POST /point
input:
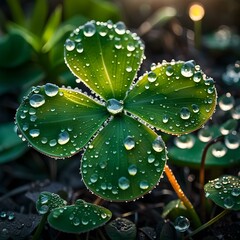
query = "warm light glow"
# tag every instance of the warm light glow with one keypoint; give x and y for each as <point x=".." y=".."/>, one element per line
<point x="196" y="12"/>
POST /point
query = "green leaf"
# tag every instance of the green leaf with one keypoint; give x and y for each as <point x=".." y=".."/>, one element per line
<point x="16" y="11"/>
<point x="38" y="17"/>
<point x="124" y="161"/>
<point x="11" y="145"/>
<point x="59" y="121"/>
<point x="52" y="24"/>
<point x="174" y="97"/>
<point x="105" y="57"/>
<point x="47" y="201"/>
<point x="189" y="148"/>
<point x="14" y="50"/>
<point x="224" y="191"/>
<point x="78" y="218"/>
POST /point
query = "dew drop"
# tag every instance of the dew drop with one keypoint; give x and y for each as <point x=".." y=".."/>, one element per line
<point x="144" y="185"/>
<point x="103" y="30"/>
<point x="103" y="215"/>
<point x="184" y="141"/>
<point x="195" y="108"/>
<point x="43" y="209"/>
<point x="128" y="69"/>
<point x="129" y="143"/>
<point x="114" y="106"/>
<point x="130" y="47"/>
<point x="226" y="102"/>
<point x="120" y="28"/>
<point x="228" y="126"/>
<point x="94" y="178"/>
<point x="181" y="224"/>
<point x="235" y="192"/>
<point x="132" y="170"/>
<point x="232" y="140"/>
<point x="34" y="133"/>
<point x="37" y="100"/>
<point x="76" y="221"/>
<point x="85" y="221"/>
<point x="169" y="71"/>
<point x="165" y="118"/>
<point x="205" y="134"/>
<point x="151" y="158"/>
<point x="217" y="185"/>
<point x="188" y="68"/>
<point x="44" y="140"/>
<point x="228" y="202"/>
<point x="89" y="29"/>
<point x="219" y="150"/>
<point x="123" y="183"/>
<point x="51" y="90"/>
<point x="63" y="138"/>
<point x="152" y="76"/>
<point x="69" y="45"/>
<point x="236" y="112"/>
<point x="185" y="113"/>
<point x="11" y="216"/>
<point x="158" y="144"/>
<point x="79" y="48"/>
<point x="197" y="77"/>
<point x="52" y="143"/>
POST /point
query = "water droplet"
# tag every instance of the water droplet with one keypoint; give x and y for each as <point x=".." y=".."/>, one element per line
<point x="120" y="28"/>
<point x="43" y="198"/>
<point x="165" y="118"/>
<point x="151" y="158"/>
<point x="103" y="164"/>
<point x="132" y="170"/>
<point x="232" y="140"/>
<point x="79" y="48"/>
<point x="188" y="68"/>
<point x="69" y="45"/>
<point x="51" y="90"/>
<point x="144" y="185"/>
<point x="4" y="233"/>
<point x="44" y="140"/>
<point x="3" y="214"/>
<point x="181" y="224"/>
<point x="236" y="112"/>
<point x="118" y="43"/>
<point x="185" y="113"/>
<point x="52" y="143"/>
<point x="114" y="106"/>
<point x="205" y="134"/>
<point x="129" y="143"/>
<point x="89" y="29"/>
<point x="103" y="215"/>
<point x="76" y="221"/>
<point x="43" y="209"/>
<point x="195" y="108"/>
<point x="152" y="76"/>
<point x="228" y="202"/>
<point x="11" y="216"/>
<point x="123" y="183"/>
<point x="184" y="141"/>
<point x="94" y="178"/>
<point x="235" y="192"/>
<point x="217" y="185"/>
<point x="169" y="71"/>
<point x="130" y="47"/>
<point x="85" y="221"/>
<point x="63" y="138"/>
<point x="197" y="77"/>
<point x="158" y="144"/>
<point x="219" y="150"/>
<point x="229" y="126"/>
<point x="128" y="69"/>
<point x="226" y="102"/>
<point x="103" y="30"/>
<point x="34" y="133"/>
<point x="36" y="100"/>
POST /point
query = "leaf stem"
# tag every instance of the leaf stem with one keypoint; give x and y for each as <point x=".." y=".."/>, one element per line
<point x="40" y="227"/>
<point x="182" y="196"/>
<point x="209" y="223"/>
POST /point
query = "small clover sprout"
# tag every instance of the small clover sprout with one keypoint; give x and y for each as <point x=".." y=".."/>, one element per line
<point x="114" y="121"/>
<point x="224" y="191"/>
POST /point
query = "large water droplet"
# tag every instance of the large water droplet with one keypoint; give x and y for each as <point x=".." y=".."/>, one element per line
<point x="188" y="68"/>
<point x="232" y="140"/>
<point x="165" y="118"/>
<point x="226" y="102"/>
<point x="197" y="77"/>
<point x="89" y="29"/>
<point x="79" y="48"/>
<point x="195" y="108"/>
<point x="129" y="143"/>
<point x="43" y="209"/>
<point x="123" y="183"/>
<point x="34" y="133"/>
<point x="69" y="45"/>
<point x="76" y="221"/>
<point x="185" y="113"/>
<point x="228" y="202"/>
<point x="144" y="185"/>
<point x="184" y="141"/>
<point x="169" y="71"/>
<point x="219" y="150"/>
<point x="228" y="126"/>
<point x="132" y="170"/>
<point x="235" y="192"/>
<point x="151" y="158"/>
<point x="205" y="134"/>
<point x="120" y="28"/>
<point x="51" y="90"/>
<point x="63" y="138"/>
<point x="37" y="100"/>
<point x="236" y="112"/>
<point x="181" y="224"/>
<point x="130" y="47"/>
<point x="114" y="106"/>
<point x="152" y="76"/>
<point x="158" y="144"/>
<point x="94" y="178"/>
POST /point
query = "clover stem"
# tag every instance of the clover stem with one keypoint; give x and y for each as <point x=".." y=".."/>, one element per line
<point x="40" y="227"/>
<point x="197" y="33"/>
<point x="182" y="196"/>
<point x="209" y="223"/>
<point x="202" y="170"/>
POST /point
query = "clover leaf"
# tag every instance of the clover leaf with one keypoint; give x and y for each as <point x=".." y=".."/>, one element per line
<point x="114" y="121"/>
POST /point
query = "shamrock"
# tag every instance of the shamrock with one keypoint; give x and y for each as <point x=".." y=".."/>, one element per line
<point x="116" y="119"/>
